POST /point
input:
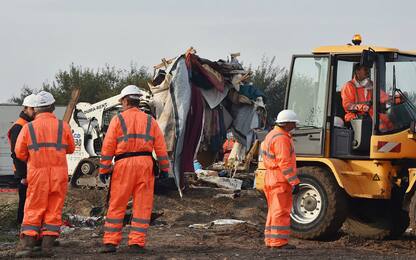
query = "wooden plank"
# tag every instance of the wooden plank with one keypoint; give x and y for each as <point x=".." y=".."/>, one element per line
<point x="76" y="92"/>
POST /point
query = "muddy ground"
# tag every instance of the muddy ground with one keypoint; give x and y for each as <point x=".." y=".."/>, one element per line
<point x="171" y="238"/>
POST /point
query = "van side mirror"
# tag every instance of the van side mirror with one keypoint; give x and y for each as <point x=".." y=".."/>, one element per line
<point x="368" y="57"/>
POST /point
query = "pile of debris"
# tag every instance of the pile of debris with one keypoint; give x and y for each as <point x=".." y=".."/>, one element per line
<point x="197" y="101"/>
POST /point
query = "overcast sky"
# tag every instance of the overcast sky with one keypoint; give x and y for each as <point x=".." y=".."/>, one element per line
<point x="40" y="37"/>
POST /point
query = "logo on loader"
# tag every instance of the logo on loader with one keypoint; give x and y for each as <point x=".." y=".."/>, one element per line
<point x="389" y="147"/>
<point x="376" y="177"/>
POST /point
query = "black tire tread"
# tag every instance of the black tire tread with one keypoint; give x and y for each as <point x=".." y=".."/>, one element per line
<point x="356" y="228"/>
<point x="388" y="226"/>
<point x="337" y="210"/>
<point x="412" y="211"/>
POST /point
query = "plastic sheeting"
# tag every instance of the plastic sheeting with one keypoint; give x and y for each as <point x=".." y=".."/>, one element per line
<point x="164" y="110"/>
<point x="242" y="124"/>
<point x="214" y="97"/>
<point x="180" y="92"/>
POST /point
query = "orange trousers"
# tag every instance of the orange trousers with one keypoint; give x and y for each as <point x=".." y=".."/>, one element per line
<point x="46" y="193"/>
<point x="132" y="177"/>
<point x="279" y="202"/>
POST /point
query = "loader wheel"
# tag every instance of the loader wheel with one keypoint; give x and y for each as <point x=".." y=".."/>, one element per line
<point x="320" y="207"/>
<point x="85" y="168"/>
<point x="412" y="211"/>
<point x="376" y="219"/>
<point x="77" y="174"/>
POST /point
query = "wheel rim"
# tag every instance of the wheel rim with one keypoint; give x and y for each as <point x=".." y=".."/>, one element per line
<point x="85" y="168"/>
<point x="307" y="204"/>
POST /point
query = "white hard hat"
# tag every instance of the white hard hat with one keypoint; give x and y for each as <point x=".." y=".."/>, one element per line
<point x="30" y="101"/>
<point x="287" y="116"/>
<point x="44" y="99"/>
<point x="131" y="90"/>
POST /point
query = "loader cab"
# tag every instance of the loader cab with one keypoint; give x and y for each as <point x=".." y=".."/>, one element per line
<point x="314" y="93"/>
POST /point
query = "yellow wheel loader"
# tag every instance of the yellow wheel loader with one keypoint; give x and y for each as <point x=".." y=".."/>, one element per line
<point x="358" y="173"/>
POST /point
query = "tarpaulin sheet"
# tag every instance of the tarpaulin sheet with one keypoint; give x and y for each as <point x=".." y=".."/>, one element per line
<point x="180" y="90"/>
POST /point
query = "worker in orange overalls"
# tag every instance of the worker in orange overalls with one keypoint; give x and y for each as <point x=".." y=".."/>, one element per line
<point x="19" y="167"/>
<point x="131" y="138"/>
<point x="43" y="144"/>
<point x="228" y="146"/>
<point x="357" y="96"/>
<point x="281" y="180"/>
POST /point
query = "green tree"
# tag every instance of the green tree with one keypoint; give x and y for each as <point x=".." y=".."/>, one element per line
<point x="272" y="80"/>
<point x="24" y="92"/>
<point x="95" y="85"/>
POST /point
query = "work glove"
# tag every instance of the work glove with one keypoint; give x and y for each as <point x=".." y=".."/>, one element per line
<point x="163" y="175"/>
<point x="362" y="107"/>
<point x="295" y="189"/>
<point x="24" y="181"/>
<point x="104" y="177"/>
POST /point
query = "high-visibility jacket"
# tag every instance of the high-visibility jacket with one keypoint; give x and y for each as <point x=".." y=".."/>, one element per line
<point x="134" y="134"/>
<point x="355" y="97"/>
<point x="44" y="143"/>
<point x="227" y="147"/>
<point x="279" y="157"/>
<point x="133" y="131"/>
<point x="19" y="167"/>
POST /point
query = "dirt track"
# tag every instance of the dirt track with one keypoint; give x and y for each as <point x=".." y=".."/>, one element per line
<point x="171" y="238"/>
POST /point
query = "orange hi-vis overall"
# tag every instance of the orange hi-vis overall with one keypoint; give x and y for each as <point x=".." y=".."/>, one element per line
<point x="356" y="97"/>
<point x="280" y="161"/>
<point x="130" y="132"/>
<point x="227" y="147"/>
<point x="44" y="143"/>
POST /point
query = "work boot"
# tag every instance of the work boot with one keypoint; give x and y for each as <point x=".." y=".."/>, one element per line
<point x="284" y="247"/>
<point x="136" y="249"/>
<point x="25" y="247"/>
<point x="56" y="243"/>
<point x="37" y="247"/>
<point x="47" y="246"/>
<point x="107" y="248"/>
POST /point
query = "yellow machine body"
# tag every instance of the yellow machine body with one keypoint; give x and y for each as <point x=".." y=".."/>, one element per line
<point x="364" y="178"/>
<point x="370" y="179"/>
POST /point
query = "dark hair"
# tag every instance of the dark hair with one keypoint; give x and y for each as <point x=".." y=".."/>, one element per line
<point x="133" y="101"/>
<point x="358" y="66"/>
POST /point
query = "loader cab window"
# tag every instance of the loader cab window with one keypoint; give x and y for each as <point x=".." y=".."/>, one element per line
<point x="79" y="117"/>
<point x="349" y="137"/>
<point x="400" y="83"/>
<point x="108" y="115"/>
<point x="307" y="96"/>
<point x="344" y="73"/>
<point x="308" y="90"/>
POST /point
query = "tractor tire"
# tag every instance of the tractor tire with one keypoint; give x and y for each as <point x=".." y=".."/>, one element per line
<point x="74" y="179"/>
<point x="85" y="168"/>
<point x="376" y="229"/>
<point x="320" y="208"/>
<point x="376" y="220"/>
<point x="412" y="211"/>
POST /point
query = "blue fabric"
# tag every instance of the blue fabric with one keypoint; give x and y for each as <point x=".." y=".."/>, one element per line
<point x="251" y="91"/>
<point x="197" y="165"/>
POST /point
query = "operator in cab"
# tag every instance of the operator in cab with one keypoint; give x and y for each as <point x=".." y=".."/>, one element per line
<point x="357" y="97"/>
